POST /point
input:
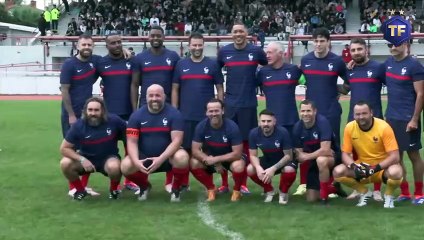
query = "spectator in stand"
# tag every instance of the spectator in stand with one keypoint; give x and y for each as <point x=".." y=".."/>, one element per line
<point x="346" y="54"/>
<point x="373" y="28"/>
<point x="162" y="24"/>
<point x="42" y="25"/>
<point x="264" y="25"/>
<point x="365" y="27"/>
<point x="187" y="29"/>
<point x="376" y="21"/>
<point x="55" y="18"/>
<point x="66" y="4"/>
<point x="338" y="29"/>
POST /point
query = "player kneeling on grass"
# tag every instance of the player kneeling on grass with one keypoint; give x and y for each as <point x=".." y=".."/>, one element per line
<point x="314" y="141"/>
<point x="155" y="135"/>
<point x="276" y="146"/>
<point x="378" y="156"/>
<point x="217" y="144"/>
<point x="97" y="134"/>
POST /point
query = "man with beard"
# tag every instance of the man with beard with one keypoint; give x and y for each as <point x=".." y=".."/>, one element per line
<point x="193" y="86"/>
<point x="115" y="71"/>
<point x="77" y="76"/>
<point x="217" y="144"/>
<point x="314" y="142"/>
<point x="154" y="138"/>
<point x="405" y="94"/>
<point x="322" y="69"/>
<point x="241" y="60"/>
<point x="275" y="143"/>
<point x="153" y="66"/>
<point x="96" y="134"/>
<point x="365" y="81"/>
<point x="375" y="144"/>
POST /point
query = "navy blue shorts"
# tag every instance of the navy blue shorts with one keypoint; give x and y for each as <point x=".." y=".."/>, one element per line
<point x="246" y="118"/>
<point x="189" y="127"/>
<point x="312" y="180"/>
<point x="267" y="164"/>
<point x="226" y="165"/>
<point x="407" y="141"/>
<point x="99" y="163"/>
<point x="165" y="167"/>
<point x="125" y="117"/>
<point x="64" y="120"/>
<point x="335" y="124"/>
<point x="289" y="128"/>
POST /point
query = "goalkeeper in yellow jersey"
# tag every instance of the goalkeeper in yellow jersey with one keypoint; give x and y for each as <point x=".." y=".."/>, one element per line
<point x="374" y="143"/>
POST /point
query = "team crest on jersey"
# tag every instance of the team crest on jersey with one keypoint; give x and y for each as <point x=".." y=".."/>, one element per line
<point x="315" y="134"/>
<point x="277" y="144"/>
<point x="128" y="65"/>
<point x="375" y="139"/>
<point x="250" y="56"/>
<point x="165" y="122"/>
<point x="330" y="67"/>
<point x="403" y="71"/>
<point x="224" y="138"/>
<point x="206" y="70"/>
<point x="288" y="74"/>
<point x="108" y="131"/>
<point x="91" y="65"/>
<point x="168" y="61"/>
<point x="369" y="74"/>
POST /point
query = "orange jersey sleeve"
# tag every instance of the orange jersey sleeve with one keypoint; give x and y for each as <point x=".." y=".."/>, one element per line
<point x="347" y="138"/>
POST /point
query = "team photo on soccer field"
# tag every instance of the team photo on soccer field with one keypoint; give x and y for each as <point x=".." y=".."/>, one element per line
<point x="186" y="148"/>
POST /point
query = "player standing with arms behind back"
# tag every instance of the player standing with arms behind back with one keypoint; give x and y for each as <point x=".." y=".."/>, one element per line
<point x="322" y="69"/>
<point x="241" y="60"/>
<point x="365" y="82"/>
<point x="405" y="92"/>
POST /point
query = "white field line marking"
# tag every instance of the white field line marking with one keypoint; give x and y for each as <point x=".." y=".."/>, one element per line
<point x="205" y="214"/>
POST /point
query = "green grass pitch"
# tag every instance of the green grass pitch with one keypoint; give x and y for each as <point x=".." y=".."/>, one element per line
<point x="34" y="203"/>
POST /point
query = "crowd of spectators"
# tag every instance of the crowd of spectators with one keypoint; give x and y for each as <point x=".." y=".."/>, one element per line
<point x="262" y="17"/>
<point x="375" y="12"/>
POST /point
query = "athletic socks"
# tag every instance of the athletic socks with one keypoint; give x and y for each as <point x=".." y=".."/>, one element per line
<point x="266" y="186"/>
<point x="179" y="174"/>
<point x="304" y="167"/>
<point x="286" y="180"/>
<point x="391" y="186"/>
<point x="204" y="178"/>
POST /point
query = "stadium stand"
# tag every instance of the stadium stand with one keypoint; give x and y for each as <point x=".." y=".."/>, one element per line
<point x="212" y="17"/>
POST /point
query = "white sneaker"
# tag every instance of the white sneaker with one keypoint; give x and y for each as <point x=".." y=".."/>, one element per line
<point x="269" y="196"/>
<point x="353" y="195"/>
<point x="333" y="195"/>
<point x="301" y="190"/>
<point x="363" y="198"/>
<point x="389" y="201"/>
<point x="377" y="196"/>
<point x="168" y="188"/>
<point x="283" y="199"/>
<point x="175" y="197"/>
<point x="91" y="192"/>
<point x="142" y="195"/>
<point x="72" y="192"/>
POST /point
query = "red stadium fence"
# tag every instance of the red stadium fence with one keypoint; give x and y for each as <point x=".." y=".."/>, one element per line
<point x="181" y="39"/>
<point x="341" y="37"/>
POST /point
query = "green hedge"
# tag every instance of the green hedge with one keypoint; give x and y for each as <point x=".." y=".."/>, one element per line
<point x="22" y="15"/>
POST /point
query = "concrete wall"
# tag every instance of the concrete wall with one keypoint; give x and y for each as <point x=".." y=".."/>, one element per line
<point x="44" y="79"/>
